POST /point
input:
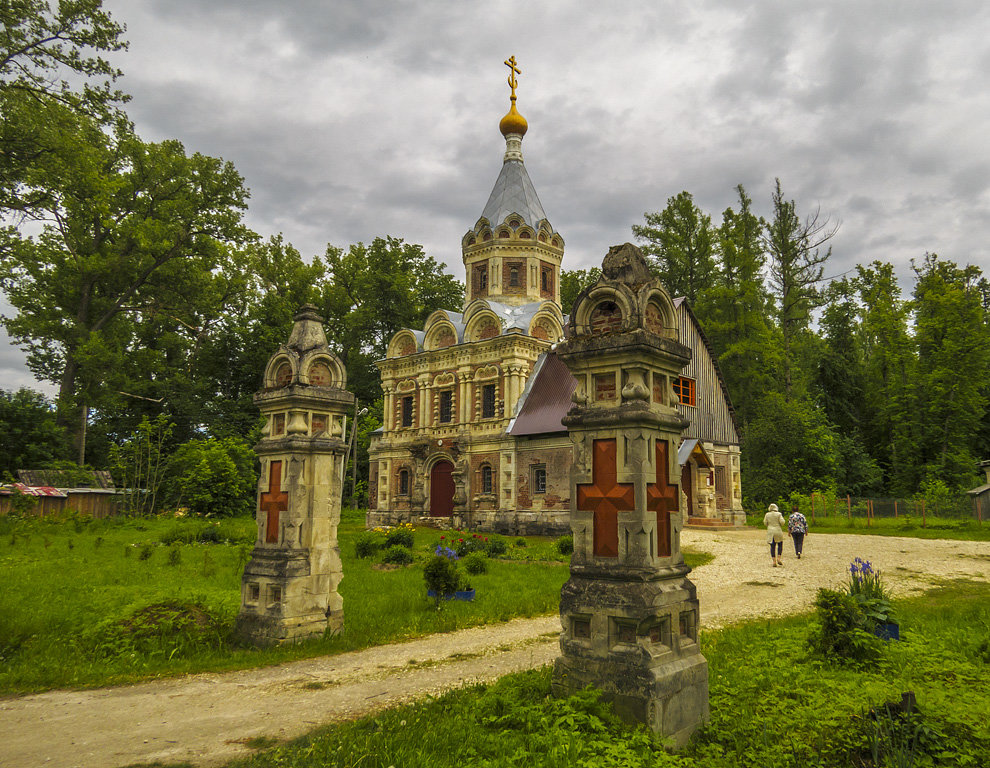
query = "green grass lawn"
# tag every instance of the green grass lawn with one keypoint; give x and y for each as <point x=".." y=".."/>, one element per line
<point x="71" y="589"/>
<point x="773" y="705"/>
<point x="905" y="525"/>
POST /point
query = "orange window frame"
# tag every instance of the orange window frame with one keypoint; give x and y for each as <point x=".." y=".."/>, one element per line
<point x="685" y="390"/>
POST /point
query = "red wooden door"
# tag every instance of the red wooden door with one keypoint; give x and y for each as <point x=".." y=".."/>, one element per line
<point x="688" y="488"/>
<point x="441" y="489"/>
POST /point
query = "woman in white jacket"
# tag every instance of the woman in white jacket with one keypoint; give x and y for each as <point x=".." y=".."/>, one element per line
<point x="774" y="521"/>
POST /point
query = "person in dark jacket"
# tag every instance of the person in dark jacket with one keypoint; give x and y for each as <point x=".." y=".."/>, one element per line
<point x="797" y="527"/>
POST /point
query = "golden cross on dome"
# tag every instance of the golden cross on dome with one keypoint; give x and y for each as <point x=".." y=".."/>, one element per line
<point x="513" y="71"/>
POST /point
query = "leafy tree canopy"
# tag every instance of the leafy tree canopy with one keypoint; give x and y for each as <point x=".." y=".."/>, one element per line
<point x="31" y="438"/>
<point x="681" y="240"/>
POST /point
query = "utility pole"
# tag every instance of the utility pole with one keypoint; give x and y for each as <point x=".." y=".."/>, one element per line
<point x="352" y="451"/>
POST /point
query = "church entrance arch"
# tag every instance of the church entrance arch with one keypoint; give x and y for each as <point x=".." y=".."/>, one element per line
<point x="441" y="489"/>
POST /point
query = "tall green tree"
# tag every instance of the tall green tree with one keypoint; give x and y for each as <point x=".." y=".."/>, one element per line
<point x="229" y="367"/>
<point x="789" y="446"/>
<point x="840" y="390"/>
<point x="41" y="43"/>
<point x="134" y="238"/>
<point x="572" y="282"/>
<point x="735" y="311"/>
<point x="841" y="375"/>
<point x="891" y="424"/>
<point x="798" y="255"/>
<point x="372" y="292"/>
<point x="953" y="367"/>
<point x="681" y="241"/>
<point x="31" y="438"/>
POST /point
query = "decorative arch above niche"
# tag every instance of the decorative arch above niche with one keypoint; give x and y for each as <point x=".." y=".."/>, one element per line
<point x="659" y="315"/>
<point x="319" y="374"/>
<point x="403" y="345"/>
<point x="486" y="373"/>
<point x="323" y="370"/>
<point x="441" y="336"/>
<point x="444" y="379"/>
<point x="283" y="373"/>
<point x="603" y="310"/>
<point x="545" y="327"/>
<point x="484" y="325"/>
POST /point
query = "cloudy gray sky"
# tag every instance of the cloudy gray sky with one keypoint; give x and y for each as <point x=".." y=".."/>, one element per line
<point x="356" y="118"/>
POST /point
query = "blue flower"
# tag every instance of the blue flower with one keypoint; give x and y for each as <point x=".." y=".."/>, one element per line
<point x="445" y="552"/>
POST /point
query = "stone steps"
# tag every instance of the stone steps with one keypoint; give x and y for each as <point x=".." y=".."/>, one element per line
<point x="709" y="523"/>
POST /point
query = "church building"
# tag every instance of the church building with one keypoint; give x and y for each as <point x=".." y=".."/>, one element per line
<point x="472" y="434"/>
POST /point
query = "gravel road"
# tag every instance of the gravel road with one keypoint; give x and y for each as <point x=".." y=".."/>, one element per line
<point x="207" y="719"/>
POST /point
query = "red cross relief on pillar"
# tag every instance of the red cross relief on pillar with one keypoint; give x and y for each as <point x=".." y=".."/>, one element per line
<point x="605" y="497"/>
<point x="661" y="497"/>
<point x="274" y="501"/>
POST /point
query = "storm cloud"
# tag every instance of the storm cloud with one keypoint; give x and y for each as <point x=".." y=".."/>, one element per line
<point x="351" y="120"/>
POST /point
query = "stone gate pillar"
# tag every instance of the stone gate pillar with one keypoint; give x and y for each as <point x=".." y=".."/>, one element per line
<point x="629" y="613"/>
<point x="289" y="586"/>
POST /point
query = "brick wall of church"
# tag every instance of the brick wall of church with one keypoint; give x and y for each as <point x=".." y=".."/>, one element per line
<point x="373" y="485"/>
<point x="557" y="463"/>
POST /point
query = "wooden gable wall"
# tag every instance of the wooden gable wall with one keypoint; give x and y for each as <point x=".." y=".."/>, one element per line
<point x="712" y="418"/>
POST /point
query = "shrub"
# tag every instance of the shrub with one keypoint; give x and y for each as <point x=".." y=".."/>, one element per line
<point x="145" y="552"/>
<point x="400" y="537"/>
<point x="476" y="563"/>
<point x="565" y="545"/>
<point x="441" y="575"/>
<point x="983" y="651"/>
<point x="521" y="542"/>
<point x="367" y="544"/>
<point x="174" y="555"/>
<point x="204" y="533"/>
<point x="397" y="555"/>
<point x="166" y="629"/>
<point x="842" y="633"/>
<point x="465" y="546"/>
<point x="866" y="588"/>
<point x="496" y="546"/>
<point x="212" y="477"/>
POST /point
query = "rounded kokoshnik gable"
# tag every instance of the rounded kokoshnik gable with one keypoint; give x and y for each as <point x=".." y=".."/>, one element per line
<point x="626" y="298"/>
<point x="303" y="389"/>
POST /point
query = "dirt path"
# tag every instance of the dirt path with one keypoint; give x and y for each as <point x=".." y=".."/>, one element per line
<point x="206" y="719"/>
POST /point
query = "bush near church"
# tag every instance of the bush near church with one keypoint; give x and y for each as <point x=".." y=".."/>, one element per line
<point x="212" y="478"/>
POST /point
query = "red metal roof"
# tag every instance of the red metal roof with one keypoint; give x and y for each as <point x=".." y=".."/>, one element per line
<point x="546" y="400"/>
<point x="36" y="490"/>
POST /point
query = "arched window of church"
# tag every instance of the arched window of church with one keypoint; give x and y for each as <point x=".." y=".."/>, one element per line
<point x="487" y="481"/>
<point x="480" y="279"/>
<point x="283" y="375"/>
<point x="488" y="401"/>
<point x="319" y="374"/>
<point x="514" y="276"/>
<point x="403" y="482"/>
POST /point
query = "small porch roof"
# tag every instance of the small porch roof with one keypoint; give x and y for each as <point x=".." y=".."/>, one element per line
<point x="693" y="449"/>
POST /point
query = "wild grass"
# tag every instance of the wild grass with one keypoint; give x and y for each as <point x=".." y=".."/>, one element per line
<point x="74" y="608"/>
<point x="773" y="705"/>
<point x="905" y="525"/>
